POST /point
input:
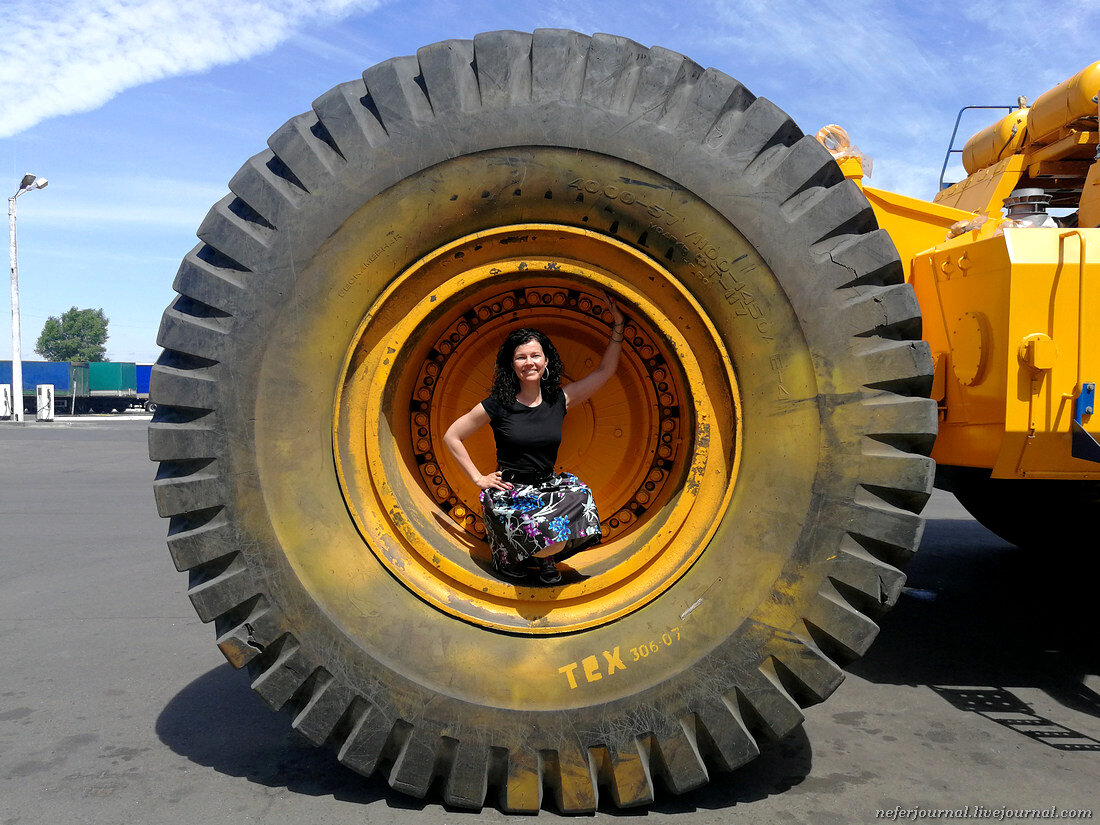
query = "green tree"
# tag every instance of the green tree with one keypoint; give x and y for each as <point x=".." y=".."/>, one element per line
<point x="78" y="335"/>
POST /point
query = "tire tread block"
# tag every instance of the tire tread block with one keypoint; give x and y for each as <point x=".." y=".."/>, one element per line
<point x="888" y="533"/>
<point x="558" y="59"/>
<point x="201" y="544"/>
<point x="468" y="779"/>
<point x="521" y="789"/>
<point x="832" y="211"/>
<point x="887" y="311"/>
<point x="190" y="388"/>
<point x="228" y="589"/>
<point x="865" y="259"/>
<point x="664" y="86"/>
<point x="271" y="195"/>
<point x="322" y="713"/>
<point x="716" y="103"/>
<point x="903" y="367"/>
<point x="503" y="68"/>
<point x="612" y="72"/>
<point x="197" y="490"/>
<point x="348" y="115"/>
<point x="863" y="580"/>
<point x="806" y="167"/>
<point x="807" y="674"/>
<point x="754" y="141"/>
<point x="397" y="96"/>
<point x="241" y="239"/>
<point x="675" y="757"/>
<point x="906" y="423"/>
<point x="201" y="337"/>
<point x="837" y="628"/>
<point x="280" y="671"/>
<point x="723" y="735"/>
<point x="414" y="768"/>
<point x="764" y="704"/>
<point x="245" y="631"/>
<point x="371" y="734"/>
<point x="895" y="476"/>
<point x="168" y="442"/>
<point x="625" y="774"/>
<point x="312" y="161"/>
<point x="571" y="773"/>
<point x="204" y="281"/>
<point x="447" y="68"/>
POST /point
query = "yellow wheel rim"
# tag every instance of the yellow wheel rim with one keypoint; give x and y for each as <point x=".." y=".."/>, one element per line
<point x="658" y="445"/>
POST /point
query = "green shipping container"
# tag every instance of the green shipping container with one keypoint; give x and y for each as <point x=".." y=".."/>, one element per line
<point x="112" y="379"/>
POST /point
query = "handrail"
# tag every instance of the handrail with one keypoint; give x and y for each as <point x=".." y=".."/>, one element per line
<point x="1080" y="300"/>
<point x="1082" y="443"/>
<point x="951" y="150"/>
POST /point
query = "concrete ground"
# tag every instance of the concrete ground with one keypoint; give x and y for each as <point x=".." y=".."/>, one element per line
<point x="115" y="706"/>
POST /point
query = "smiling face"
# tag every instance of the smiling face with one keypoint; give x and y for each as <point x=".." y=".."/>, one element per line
<point x="529" y="361"/>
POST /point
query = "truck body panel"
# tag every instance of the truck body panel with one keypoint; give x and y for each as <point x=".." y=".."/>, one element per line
<point x="69" y="378"/>
<point x="987" y="305"/>
<point x="142" y="373"/>
<point x="112" y="379"/>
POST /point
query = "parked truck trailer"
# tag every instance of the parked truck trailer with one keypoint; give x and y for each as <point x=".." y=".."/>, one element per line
<point x="69" y="379"/>
<point x="79" y="386"/>
<point x="112" y="386"/>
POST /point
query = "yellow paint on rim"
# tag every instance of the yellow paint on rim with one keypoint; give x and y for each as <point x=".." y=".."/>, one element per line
<point x="406" y="528"/>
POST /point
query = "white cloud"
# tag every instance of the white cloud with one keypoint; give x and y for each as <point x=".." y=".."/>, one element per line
<point x="326" y="49"/>
<point x="905" y="59"/>
<point x="69" y="56"/>
<point x="864" y="40"/>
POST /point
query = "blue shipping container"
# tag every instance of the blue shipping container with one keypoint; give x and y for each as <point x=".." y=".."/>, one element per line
<point x="143" y="371"/>
<point x="39" y="372"/>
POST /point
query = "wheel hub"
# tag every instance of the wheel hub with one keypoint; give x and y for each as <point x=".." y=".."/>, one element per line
<point x="657" y="445"/>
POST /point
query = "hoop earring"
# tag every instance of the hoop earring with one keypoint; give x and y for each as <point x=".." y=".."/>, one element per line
<point x="545" y="372"/>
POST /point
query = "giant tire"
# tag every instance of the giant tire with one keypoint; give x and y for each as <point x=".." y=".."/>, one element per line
<point x="774" y="396"/>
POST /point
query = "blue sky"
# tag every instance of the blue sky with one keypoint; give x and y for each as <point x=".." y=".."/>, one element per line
<point x="140" y="111"/>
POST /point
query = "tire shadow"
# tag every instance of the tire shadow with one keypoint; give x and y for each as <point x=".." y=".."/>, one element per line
<point x="219" y="723"/>
<point x="781" y="765"/>
<point x="978" y="611"/>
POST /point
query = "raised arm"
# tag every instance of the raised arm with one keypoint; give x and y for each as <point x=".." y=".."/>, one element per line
<point x="580" y="390"/>
<point x="458" y="432"/>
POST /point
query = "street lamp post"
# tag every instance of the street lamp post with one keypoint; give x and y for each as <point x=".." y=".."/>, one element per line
<point x="29" y="183"/>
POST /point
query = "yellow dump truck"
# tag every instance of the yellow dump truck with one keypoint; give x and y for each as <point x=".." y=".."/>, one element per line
<point x="1007" y="293"/>
<point x="794" y="341"/>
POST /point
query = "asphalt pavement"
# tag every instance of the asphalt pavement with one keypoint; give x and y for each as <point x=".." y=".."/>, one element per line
<point x="980" y="696"/>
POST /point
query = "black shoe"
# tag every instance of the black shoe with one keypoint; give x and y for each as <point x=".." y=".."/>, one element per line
<point x="511" y="571"/>
<point x="548" y="571"/>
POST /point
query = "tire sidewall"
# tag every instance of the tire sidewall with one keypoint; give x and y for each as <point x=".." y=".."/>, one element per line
<point x="267" y="351"/>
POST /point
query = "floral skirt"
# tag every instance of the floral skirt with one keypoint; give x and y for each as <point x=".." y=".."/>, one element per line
<point x="530" y="517"/>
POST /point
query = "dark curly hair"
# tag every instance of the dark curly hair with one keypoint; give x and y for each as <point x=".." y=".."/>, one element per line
<point x="505" y="380"/>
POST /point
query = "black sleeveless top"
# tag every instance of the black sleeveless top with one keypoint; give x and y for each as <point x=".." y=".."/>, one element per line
<point x="527" y="438"/>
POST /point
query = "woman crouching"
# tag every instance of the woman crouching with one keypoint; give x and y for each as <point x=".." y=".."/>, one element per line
<point x="533" y="516"/>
